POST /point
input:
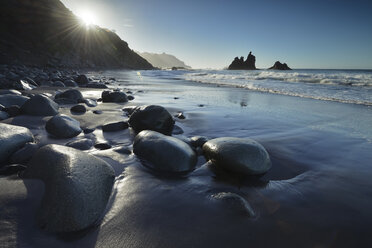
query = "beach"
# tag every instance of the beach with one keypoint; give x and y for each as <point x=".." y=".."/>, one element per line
<point x="315" y="195"/>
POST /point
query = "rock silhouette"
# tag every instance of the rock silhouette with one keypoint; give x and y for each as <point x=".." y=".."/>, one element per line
<point x="240" y="64"/>
<point x="280" y="66"/>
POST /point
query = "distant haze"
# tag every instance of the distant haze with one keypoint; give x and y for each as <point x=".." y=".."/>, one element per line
<point x="210" y="33"/>
<point x="163" y="60"/>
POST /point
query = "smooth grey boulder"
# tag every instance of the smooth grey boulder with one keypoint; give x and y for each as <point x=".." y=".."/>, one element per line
<point x="114" y="96"/>
<point x="40" y="105"/>
<point x="3" y="115"/>
<point x="12" y="138"/>
<point x="164" y="153"/>
<point x="73" y="94"/>
<point x="77" y="187"/>
<point x="11" y="169"/>
<point x="13" y="110"/>
<point x="96" y="85"/>
<point x="70" y="83"/>
<point x="82" y="144"/>
<point x="23" y="155"/>
<point x="63" y="126"/>
<point x="58" y="84"/>
<point x="90" y="102"/>
<point x="23" y="85"/>
<point x="198" y="141"/>
<point x="8" y="100"/>
<point x="152" y="117"/>
<point x="241" y="155"/>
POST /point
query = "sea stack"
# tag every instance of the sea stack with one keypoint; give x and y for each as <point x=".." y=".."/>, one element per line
<point x="240" y="64"/>
<point x="280" y="66"/>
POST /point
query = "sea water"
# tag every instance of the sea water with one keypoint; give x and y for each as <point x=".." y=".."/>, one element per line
<point x="348" y="86"/>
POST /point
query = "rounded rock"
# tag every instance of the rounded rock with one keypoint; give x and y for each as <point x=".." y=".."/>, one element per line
<point x="78" y="108"/>
<point x="114" y="96"/>
<point x="63" y="126"/>
<point x="152" y="117"/>
<point x="73" y="94"/>
<point x="164" y="153"/>
<point x="40" y="105"/>
<point x="241" y="155"/>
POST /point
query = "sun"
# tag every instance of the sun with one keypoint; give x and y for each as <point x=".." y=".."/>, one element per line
<point x="87" y="17"/>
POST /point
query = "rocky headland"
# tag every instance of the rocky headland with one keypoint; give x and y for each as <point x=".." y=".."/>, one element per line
<point x="241" y="64"/>
<point x="46" y="33"/>
<point x="280" y="66"/>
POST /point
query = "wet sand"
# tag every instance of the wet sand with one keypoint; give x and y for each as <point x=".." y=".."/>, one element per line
<point x="317" y="193"/>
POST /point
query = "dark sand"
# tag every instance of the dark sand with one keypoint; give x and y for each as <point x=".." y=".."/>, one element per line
<point x="317" y="194"/>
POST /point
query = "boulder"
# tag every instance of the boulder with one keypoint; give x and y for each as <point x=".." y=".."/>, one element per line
<point x="11" y="169"/>
<point x="12" y="138"/>
<point x="63" y="126"/>
<point x="115" y="126"/>
<point x="8" y="100"/>
<point x="58" y="84"/>
<point x="78" y="108"/>
<point x="73" y="94"/>
<point x="198" y="141"/>
<point x="280" y="66"/>
<point x="82" y="144"/>
<point x="90" y="102"/>
<point x="151" y="117"/>
<point x="77" y="187"/>
<point x="234" y="203"/>
<point x="239" y="155"/>
<point x="70" y="83"/>
<point x="13" y="110"/>
<point x="82" y="79"/>
<point x="96" y="85"/>
<point x="164" y="153"/>
<point x="40" y="105"/>
<point x="114" y="96"/>
<point x="23" y="85"/>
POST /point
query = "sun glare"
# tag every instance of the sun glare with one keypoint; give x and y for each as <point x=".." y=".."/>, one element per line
<point x="87" y="18"/>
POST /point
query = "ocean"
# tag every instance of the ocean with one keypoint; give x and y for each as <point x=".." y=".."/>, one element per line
<point x="347" y="86"/>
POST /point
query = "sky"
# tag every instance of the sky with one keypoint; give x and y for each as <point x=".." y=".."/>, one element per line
<point x="328" y="34"/>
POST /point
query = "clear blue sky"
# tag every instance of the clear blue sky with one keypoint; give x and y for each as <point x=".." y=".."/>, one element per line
<point x="210" y="33"/>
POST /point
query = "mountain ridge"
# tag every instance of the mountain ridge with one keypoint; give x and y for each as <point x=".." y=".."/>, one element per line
<point x="163" y="60"/>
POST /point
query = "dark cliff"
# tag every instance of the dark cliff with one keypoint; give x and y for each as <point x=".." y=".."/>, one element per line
<point x="240" y="64"/>
<point x="45" y="32"/>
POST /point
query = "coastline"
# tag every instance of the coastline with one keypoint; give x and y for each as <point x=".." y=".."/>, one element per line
<point x="312" y="195"/>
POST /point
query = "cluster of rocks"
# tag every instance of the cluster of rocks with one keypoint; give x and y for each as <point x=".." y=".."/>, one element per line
<point x="21" y="77"/>
<point x="250" y="64"/>
<point x="78" y="185"/>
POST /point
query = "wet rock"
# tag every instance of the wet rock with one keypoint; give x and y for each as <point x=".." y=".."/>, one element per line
<point x="23" y="155"/>
<point x="102" y="146"/>
<point x="82" y="79"/>
<point x="234" y="203"/>
<point x="77" y="187"/>
<point x="200" y="105"/>
<point x="115" y="126"/>
<point x="78" y="108"/>
<point x="280" y="66"/>
<point x="82" y="144"/>
<point x="198" y="141"/>
<point x="64" y="101"/>
<point x="2" y="107"/>
<point x="40" y="105"/>
<point x="177" y="130"/>
<point x="70" y="83"/>
<point x="88" y="130"/>
<point x="23" y="85"/>
<point x="129" y="110"/>
<point x="8" y="100"/>
<point x="152" y="117"/>
<point x="13" y="110"/>
<point x="164" y="153"/>
<point x="130" y="98"/>
<point x="123" y="150"/>
<point x="90" y="102"/>
<point x="3" y="115"/>
<point x="114" y="96"/>
<point x="63" y="126"/>
<point x="12" y="169"/>
<point x="12" y="138"/>
<point x="180" y="116"/>
<point x="73" y="94"/>
<point x="58" y="84"/>
<point x="97" y="112"/>
<point x="239" y="155"/>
